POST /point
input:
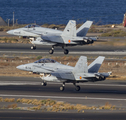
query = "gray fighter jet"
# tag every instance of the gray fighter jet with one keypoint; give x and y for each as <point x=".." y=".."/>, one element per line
<point x="55" y="72"/>
<point x="46" y="36"/>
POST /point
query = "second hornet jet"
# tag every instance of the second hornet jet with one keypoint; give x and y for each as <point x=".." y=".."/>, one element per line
<point x="46" y="36"/>
<point x="55" y="72"/>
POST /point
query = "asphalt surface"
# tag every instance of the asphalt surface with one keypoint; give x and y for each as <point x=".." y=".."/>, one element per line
<point x="10" y="50"/>
<point x="91" y="94"/>
<point x="29" y="115"/>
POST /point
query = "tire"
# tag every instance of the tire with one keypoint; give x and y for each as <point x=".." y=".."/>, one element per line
<point x="43" y="83"/>
<point x="33" y="47"/>
<point x="51" y="51"/>
<point x="61" y="88"/>
<point x="66" y="51"/>
<point x="77" y="88"/>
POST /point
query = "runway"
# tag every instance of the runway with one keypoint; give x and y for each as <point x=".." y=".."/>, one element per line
<point x="10" y="50"/>
<point x="30" y="115"/>
<point x="91" y="94"/>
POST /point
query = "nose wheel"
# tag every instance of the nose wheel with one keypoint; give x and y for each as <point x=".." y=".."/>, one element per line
<point x="62" y="87"/>
<point x="51" y="51"/>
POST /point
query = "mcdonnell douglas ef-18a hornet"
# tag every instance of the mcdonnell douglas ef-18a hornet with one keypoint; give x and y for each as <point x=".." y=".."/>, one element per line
<point x="55" y="72"/>
<point x="46" y="36"/>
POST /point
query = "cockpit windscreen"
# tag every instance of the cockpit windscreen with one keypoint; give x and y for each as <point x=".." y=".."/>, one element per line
<point x="31" y="26"/>
<point x="47" y="60"/>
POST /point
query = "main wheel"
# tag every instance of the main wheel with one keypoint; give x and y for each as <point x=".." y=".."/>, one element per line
<point x="33" y="47"/>
<point x="51" y="51"/>
<point x="61" y="88"/>
<point x="77" y="88"/>
<point x="44" y="83"/>
<point x="66" y="51"/>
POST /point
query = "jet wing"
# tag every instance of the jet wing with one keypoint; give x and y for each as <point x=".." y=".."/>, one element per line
<point x="64" y="75"/>
<point x="52" y="38"/>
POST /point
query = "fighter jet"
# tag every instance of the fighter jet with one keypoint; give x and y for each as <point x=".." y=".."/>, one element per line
<point x="46" y="36"/>
<point x="56" y="72"/>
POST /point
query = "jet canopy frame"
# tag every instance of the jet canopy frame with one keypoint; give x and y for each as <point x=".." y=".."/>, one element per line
<point x="31" y="26"/>
<point x="46" y="60"/>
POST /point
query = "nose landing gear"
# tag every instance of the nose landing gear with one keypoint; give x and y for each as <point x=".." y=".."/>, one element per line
<point x="62" y="87"/>
<point x="77" y="87"/>
<point x="51" y="51"/>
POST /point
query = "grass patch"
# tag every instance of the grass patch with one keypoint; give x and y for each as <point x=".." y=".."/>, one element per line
<point x="14" y="106"/>
<point x="38" y="57"/>
<point x="53" y="105"/>
<point x="9" y="100"/>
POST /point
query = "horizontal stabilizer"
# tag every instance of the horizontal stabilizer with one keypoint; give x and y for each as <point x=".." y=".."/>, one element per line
<point x="82" y="31"/>
<point x="95" y="65"/>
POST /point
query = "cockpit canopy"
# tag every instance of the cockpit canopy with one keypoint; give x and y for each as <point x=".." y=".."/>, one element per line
<point x="31" y="26"/>
<point x="46" y="60"/>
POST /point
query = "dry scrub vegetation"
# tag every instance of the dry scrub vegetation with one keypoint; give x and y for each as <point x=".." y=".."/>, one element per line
<point x="52" y="105"/>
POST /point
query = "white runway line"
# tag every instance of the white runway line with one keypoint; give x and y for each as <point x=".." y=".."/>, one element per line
<point x="50" y="83"/>
<point x="39" y="83"/>
<point x="61" y="97"/>
<point x="30" y="83"/>
<point x="85" y="52"/>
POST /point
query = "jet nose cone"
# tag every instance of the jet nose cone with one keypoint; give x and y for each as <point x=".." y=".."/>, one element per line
<point x="21" y="67"/>
<point x="10" y="32"/>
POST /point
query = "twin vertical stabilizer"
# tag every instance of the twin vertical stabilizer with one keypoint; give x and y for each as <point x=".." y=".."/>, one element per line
<point x="95" y="65"/>
<point x="70" y="29"/>
<point x="82" y="31"/>
<point x="81" y="65"/>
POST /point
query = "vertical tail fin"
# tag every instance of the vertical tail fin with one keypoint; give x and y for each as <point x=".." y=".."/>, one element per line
<point x="95" y="65"/>
<point x="81" y="65"/>
<point x="82" y="31"/>
<point x="70" y="29"/>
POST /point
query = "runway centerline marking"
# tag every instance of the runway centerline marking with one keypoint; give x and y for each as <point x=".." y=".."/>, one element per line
<point x="85" y="52"/>
<point x="39" y="83"/>
<point x="61" y="97"/>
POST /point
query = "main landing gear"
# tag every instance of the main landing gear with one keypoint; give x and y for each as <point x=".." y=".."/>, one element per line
<point x="51" y="51"/>
<point x="33" y="47"/>
<point x="43" y="83"/>
<point x="65" y="50"/>
<point x="77" y="88"/>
